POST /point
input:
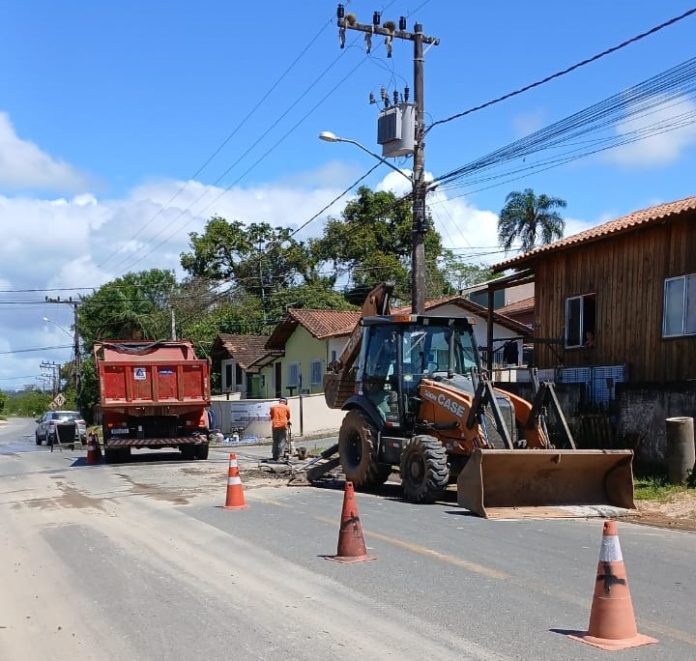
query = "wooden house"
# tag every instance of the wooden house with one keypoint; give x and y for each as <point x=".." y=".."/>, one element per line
<point x="620" y="293"/>
<point x="615" y="311"/>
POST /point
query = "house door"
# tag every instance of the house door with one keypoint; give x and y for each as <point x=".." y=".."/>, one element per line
<point x="278" y="379"/>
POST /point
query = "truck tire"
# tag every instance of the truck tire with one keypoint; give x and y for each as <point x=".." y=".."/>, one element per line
<point x="38" y="440"/>
<point x="424" y="470"/>
<point x="357" y="441"/>
<point x="202" y="451"/>
<point x="188" y="451"/>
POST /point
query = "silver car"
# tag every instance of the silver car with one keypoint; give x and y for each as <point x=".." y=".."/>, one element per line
<point x="49" y="421"/>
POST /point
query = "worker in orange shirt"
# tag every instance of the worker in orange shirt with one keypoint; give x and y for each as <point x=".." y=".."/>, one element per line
<point x="280" y="422"/>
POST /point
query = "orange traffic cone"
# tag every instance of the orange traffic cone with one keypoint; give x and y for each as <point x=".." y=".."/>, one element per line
<point x="235" y="490"/>
<point x="93" y="451"/>
<point x="351" y="542"/>
<point x="612" y="621"/>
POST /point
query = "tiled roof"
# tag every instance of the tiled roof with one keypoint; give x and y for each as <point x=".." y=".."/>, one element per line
<point x="524" y="305"/>
<point x="319" y="323"/>
<point x="627" y="223"/>
<point x="245" y="349"/>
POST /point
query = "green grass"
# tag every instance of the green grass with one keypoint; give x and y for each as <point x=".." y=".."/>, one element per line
<point x="656" y="486"/>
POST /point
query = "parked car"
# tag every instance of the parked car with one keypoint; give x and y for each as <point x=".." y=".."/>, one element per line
<point x="46" y="426"/>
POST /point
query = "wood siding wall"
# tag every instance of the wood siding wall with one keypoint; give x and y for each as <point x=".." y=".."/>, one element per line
<point x="627" y="275"/>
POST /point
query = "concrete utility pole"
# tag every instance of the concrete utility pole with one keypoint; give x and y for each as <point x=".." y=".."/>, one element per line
<point x="389" y="31"/>
<point x="55" y="374"/>
<point x="76" y="339"/>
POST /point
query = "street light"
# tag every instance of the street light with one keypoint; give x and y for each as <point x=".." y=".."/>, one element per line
<point x="50" y="321"/>
<point x="328" y="136"/>
<point x="418" y="191"/>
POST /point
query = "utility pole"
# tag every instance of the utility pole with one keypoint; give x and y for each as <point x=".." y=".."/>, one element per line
<point x="76" y="339"/>
<point x="389" y="31"/>
<point x="55" y="374"/>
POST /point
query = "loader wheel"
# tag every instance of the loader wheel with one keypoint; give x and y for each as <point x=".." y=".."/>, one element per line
<point x="424" y="470"/>
<point x="202" y="451"/>
<point x="358" y="452"/>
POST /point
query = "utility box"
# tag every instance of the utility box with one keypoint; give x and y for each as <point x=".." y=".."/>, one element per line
<point x="396" y="130"/>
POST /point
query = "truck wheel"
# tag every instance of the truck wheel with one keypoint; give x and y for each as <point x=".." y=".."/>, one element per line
<point x="424" y="470"/>
<point x="38" y="440"/>
<point x="112" y="456"/>
<point x="357" y="449"/>
<point x="202" y="451"/>
<point x="188" y="452"/>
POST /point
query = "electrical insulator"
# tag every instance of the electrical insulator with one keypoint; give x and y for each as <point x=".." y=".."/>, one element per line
<point x="402" y="23"/>
<point x="396" y="97"/>
<point x="376" y="18"/>
<point x="407" y="93"/>
<point x="340" y="11"/>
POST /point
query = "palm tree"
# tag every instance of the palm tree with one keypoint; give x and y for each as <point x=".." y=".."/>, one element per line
<point x="527" y="216"/>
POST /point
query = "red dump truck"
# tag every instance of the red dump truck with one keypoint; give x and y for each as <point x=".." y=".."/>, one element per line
<point x="152" y="395"/>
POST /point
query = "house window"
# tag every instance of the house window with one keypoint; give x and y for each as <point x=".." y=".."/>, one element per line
<point x="316" y="372"/>
<point x="228" y="377"/>
<point x="580" y="321"/>
<point x="238" y="378"/>
<point x="679" y="316"/>
<point x="294" y="375"/>
<point x="333" y="355"/>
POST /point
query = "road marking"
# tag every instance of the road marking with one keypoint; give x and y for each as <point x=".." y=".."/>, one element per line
<point x="424" y="550"/>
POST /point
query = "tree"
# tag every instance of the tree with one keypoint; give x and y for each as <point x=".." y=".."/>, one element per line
<point x="259" y="257"/>
<point x="462" y="275"/>
<point x="527" y="217"/>
<point x="135" y="306"/>
<point x="3" y="399"/>
<point x="371" y="241"/>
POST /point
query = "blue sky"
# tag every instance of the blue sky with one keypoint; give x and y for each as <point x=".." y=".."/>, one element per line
<point x="107" y="107"/>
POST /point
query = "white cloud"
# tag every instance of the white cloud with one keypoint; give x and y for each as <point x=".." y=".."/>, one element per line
<point x="24" y="166"/>
<point x="671" y="116"/>
<point x="85" y="241"/>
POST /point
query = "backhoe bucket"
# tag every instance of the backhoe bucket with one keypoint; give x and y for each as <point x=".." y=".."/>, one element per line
<point x="547" y="484"/>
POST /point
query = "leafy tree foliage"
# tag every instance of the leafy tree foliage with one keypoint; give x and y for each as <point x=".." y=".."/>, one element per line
<point x="528" y="218"/>
<point x="462" y="274"/>
<point x="3" y="400"/>
<point x="135" y="306"/>
<point x="27" y="403"/>
<point x="259" y="257"/>
<point x="372" y="241"/>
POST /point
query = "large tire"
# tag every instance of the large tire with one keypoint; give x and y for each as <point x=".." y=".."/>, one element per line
<point x="202" y="451"/>
<point x="38" y="440"/>
<point x="357" y="449"/>
<point x="188" y="451"/>
<point x="424" y="470"/>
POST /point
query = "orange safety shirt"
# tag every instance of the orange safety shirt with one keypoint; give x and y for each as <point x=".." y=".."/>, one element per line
<point x="280" y="416"/>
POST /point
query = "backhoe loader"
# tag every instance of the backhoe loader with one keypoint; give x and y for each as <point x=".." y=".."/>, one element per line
<point x="416" y="398"/>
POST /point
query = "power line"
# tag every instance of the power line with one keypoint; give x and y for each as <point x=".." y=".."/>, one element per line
<point x="568" y="70"/>
<point x="229" y="137"/>
<point x="55" y="347"/>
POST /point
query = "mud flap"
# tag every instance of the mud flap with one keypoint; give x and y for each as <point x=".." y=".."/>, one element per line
<point x="547" y="483"/>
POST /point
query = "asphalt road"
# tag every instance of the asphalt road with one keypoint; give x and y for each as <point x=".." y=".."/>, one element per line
<point x="139" y="561"/>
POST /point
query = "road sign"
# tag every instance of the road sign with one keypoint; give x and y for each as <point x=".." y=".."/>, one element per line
<point x="57" y="402"/>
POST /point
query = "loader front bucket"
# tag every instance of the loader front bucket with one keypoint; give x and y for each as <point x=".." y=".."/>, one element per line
<point x="547" y="484"/>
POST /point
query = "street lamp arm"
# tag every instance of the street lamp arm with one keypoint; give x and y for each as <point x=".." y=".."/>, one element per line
<point x="327" y="136"/>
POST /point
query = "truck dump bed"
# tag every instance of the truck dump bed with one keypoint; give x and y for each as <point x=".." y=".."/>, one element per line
<point x="151" y="375"/>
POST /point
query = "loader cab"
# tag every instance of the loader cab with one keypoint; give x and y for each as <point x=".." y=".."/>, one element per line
<point x="399" y="351"/>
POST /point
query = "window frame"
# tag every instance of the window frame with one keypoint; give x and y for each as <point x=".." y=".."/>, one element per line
<point x="582" y="329"/>
<point x="689" y="280"/>
<point x="312" y="365"/>
<point x="296" y="382"/>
